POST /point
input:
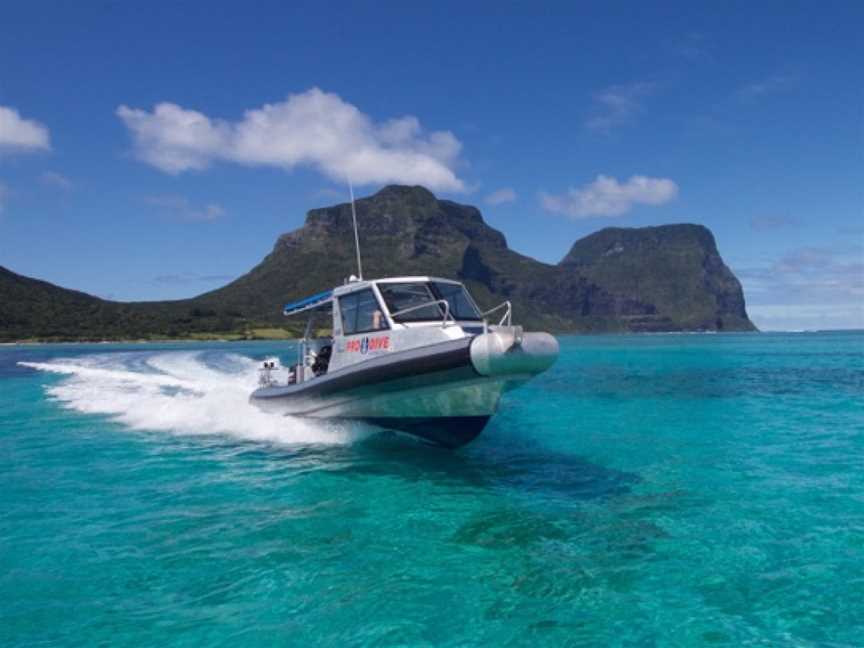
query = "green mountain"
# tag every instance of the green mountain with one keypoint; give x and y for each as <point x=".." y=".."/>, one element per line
<point x="34" y="309"/>
<point x="664" y="278"/>
<point x="669" y="277"/>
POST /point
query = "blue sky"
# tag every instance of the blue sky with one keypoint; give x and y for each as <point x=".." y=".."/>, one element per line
<point x="151" y="152"/>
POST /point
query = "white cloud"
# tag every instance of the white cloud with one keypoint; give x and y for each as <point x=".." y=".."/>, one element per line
<point x="807" y="317"/>
<point x="21" y="135"/>
<point x="505" y="195"/>
<point x="608" y="197"/>
<point x="182" y="208"/>
<point x="813" y="287"/>
<point x="776" y="83"/>
<point x="314" y="129"/>
<point x="769" y="222"/>
<point x="617" y="105"/>
<point x="56" y="180"/>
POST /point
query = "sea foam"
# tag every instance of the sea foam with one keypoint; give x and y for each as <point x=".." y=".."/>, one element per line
<point x="182" y="393"/>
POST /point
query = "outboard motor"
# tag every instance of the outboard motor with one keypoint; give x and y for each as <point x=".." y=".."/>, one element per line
<point x="265" y="374"/>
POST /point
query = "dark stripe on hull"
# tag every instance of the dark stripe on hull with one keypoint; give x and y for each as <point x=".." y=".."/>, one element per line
<point x="398" y="366"/>
<point x="387" y="391"/>
<point x="450" y="432"/>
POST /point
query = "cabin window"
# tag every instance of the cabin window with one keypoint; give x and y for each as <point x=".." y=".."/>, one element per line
<point x="402" y="296"/>
<point x="461" y="305"/>
<point x="361" y="313"/>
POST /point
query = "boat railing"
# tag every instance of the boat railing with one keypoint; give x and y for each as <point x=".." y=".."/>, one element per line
<point x="507" y="317"/>
<point x="437" y="302"/>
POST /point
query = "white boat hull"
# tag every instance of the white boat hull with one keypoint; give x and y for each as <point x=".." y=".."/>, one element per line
<point x="444" y="393"/>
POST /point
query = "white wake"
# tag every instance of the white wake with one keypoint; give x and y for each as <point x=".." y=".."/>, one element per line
<point x="182" y="393"/>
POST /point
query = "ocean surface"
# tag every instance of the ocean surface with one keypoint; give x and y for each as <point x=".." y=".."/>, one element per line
<point x="648" y="490"/>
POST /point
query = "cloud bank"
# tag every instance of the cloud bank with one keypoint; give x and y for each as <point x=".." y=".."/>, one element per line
<point x="19" y="135"/>
<point x="774" y="84"/>
<point x="191" y="277"/>
<point x="505" y="195"/>
<point x="312" y="129"/>
<point x="181" y="208"/>
<point x="767" y="223"/>
<point x="811" y="287"/>
<point x="608" y="197"/>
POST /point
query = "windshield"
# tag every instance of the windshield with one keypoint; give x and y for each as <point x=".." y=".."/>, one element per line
<point x="402" y="296"/>
<point x="461" y="305"/>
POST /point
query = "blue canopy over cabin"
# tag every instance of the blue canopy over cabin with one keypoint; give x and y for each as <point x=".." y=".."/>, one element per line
<point x="308" y="303"/>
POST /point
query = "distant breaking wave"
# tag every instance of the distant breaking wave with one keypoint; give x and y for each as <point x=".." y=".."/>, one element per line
<point x="183" y="393"/>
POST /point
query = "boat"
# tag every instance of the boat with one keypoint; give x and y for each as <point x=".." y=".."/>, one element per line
<point x="412" y="354"/>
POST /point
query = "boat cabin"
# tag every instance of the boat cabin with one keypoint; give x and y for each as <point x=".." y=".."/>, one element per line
<point x="363" y="319"/>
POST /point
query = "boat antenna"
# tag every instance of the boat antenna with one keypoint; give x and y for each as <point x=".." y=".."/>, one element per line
<point x="356" y="236"/>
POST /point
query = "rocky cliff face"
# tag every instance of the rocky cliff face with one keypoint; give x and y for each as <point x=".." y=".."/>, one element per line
<point x="668" y="278"/>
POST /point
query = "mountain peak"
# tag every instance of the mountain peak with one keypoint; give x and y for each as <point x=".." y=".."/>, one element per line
<point x="605" y="242"/>
<point x="398" y="211"/>
<point x="405" y="192"/>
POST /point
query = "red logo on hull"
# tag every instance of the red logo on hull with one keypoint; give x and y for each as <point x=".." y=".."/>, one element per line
<point x="366" y="344"/>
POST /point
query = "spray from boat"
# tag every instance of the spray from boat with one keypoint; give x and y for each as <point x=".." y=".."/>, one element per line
<point x="183" y="393"/>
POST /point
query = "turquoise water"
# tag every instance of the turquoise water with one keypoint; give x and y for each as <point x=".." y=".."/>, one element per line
<point x="653" y="490"/>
